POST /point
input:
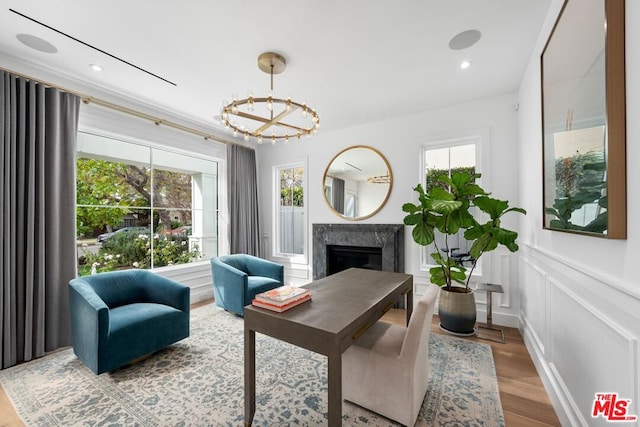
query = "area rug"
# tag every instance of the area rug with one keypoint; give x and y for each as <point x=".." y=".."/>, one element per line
<point x="199" y="382"/>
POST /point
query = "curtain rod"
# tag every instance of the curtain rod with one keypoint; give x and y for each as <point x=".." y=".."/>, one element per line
<point x="157" y="120"/>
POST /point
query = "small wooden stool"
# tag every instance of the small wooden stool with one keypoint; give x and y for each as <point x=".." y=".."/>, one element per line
<point x="483" y="330"/>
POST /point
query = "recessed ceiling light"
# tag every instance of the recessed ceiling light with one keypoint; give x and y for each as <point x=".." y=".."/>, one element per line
<point x="465" y="64"/>
<point x="95" y="67"/>
<point x="36" y="43"/>
<point x="465" y="39"/>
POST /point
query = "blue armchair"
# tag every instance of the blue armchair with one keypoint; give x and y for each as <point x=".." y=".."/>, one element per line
<point x="238" y="278"/>
<point x="119" y="316"/>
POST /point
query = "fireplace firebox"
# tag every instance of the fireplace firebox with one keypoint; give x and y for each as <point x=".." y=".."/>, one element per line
<point x="343" y="257"/>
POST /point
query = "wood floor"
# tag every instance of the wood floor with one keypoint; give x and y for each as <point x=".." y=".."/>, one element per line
<point x="524" y="400"/>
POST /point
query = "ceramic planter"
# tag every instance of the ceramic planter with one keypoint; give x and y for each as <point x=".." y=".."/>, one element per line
<point x="457" y="311"/>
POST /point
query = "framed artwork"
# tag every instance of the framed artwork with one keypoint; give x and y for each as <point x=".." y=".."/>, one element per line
<point x="584" y="120"/>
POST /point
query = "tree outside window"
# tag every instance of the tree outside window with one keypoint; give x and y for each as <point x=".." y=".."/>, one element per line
<point x="291" y="223"/>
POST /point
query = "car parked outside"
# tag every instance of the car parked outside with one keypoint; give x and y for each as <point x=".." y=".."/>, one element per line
<point x="104" y="236"/>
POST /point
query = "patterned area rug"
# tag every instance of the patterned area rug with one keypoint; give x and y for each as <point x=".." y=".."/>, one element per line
<point x="199" y="381"/>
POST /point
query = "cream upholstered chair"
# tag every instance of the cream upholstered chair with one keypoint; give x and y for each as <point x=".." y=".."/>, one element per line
<point x="386" y="370"/>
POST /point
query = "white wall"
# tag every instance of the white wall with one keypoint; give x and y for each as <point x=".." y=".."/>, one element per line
<point x="580" y="296"/>
<point x="399" y="140"/>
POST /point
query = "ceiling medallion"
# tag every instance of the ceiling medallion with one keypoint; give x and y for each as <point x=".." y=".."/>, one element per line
<point x="269" y="117"/>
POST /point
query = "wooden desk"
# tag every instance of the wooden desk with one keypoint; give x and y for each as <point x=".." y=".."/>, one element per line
<point x="342" y="307"/>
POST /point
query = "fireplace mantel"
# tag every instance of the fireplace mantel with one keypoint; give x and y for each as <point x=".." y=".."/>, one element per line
<point x="389" y="237"/>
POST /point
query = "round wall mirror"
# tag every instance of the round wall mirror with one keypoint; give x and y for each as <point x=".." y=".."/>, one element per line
<point x="357" y="182"/>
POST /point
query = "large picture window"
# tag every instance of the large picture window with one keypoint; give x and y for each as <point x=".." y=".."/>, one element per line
<point x="290" y="222"/>
<point x="142" y="207"/>
<point x="447" y="158"/>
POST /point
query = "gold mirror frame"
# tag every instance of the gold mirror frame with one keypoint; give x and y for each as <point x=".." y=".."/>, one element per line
<point x="386" y="176"/>
<point x="607" y="217"/>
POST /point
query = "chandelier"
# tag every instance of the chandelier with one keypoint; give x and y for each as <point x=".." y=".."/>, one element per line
<point x="379" y="179"/>
<point x="269" y="118"/>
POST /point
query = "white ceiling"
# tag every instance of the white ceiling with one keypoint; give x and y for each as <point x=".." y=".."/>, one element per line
<point x="354" y="61"/>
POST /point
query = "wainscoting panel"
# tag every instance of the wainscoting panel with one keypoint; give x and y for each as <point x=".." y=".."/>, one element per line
<point x="582" y="331"/>
<point x="587" y="339"/>
<point x="504" y="269"/>
<point x="296" y="274"/>
<point x="196" y="275"/>
<point x="533" y="308"/>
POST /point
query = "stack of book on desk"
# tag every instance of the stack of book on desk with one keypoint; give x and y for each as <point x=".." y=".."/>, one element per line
<point x="282" y="298"/>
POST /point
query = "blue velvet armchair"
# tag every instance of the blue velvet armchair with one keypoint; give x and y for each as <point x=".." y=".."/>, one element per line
<point x="238" y="278"/>
<point x="119" y="316"/>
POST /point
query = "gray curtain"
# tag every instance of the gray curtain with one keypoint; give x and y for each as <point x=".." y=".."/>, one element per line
<point x="244" y="235"/>
<point x="337" y="189"/>
<point x="38" y="127"/>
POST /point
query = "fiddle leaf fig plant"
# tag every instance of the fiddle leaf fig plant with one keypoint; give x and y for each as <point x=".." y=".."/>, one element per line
<point x="446" y="208"/>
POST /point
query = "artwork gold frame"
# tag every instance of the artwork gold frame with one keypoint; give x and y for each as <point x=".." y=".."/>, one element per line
<point x="584" y="120"/>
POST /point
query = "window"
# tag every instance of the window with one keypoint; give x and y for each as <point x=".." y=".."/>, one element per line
<point x="446" y="158"/>
<point x="290" y="218"/>
<point x="350" y="207"/>
<point x="142" y="207"/>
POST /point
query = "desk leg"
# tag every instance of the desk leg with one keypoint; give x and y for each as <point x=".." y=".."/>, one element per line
<point x="249" y="375"/>
<point x="409" y="305"/>
<point x="335" y="389"/>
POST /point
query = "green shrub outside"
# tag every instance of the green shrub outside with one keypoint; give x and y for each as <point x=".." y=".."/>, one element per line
<point x="133" y="250"/>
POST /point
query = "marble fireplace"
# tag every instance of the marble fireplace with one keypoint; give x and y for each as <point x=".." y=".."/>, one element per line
<point x="340" y="246"/>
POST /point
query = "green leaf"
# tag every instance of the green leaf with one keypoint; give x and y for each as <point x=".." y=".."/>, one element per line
<point x="598" y="225"/>
<point x="473" y="232"/>
<point x="472" y="190"/>
<point x="603" y="202"/>
<point x="551" y="211"/>
<point x="463" y="217"/>
<point x="520" y="210"/>
<point x="452" y="225"/>
<point x="505" y="237"/>
<point x="437" y="276"/>
<point x="445" y="179"/>
<point x="413" y="219"/>
<point x="599" y="167"/>
<point x="481" y="244"/>
<point x="438" y="258"/>
<point x="460" y="179"/>
<point x="492" y="207"/>
<point x="513" y="247"/>
<point x="423" y="234"/>
<point x="419" y="189"/>
<point x="439" y="193"/>
<point x="459" y="273"/>
<point x="410" y="207"/>
<point x="445" y="206"/>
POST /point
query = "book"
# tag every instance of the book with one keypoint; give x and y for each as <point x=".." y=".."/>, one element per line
<point x="281" y="295"/>
<point x="279" y="308"/>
